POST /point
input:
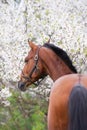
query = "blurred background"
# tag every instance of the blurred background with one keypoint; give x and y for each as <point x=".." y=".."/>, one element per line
<point x="66" y="22"/>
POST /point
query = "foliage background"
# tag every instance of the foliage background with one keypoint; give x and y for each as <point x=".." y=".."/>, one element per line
<point x="66" y="21"/>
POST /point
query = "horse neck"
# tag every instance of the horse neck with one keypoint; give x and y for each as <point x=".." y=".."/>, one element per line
<point x="54" y="66"/>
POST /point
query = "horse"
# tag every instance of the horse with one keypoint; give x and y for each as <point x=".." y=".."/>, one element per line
<point x="68" y="98"/>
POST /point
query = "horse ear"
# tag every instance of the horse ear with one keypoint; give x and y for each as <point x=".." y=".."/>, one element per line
<point x="48" y="41"/>
<point x="32" y="45"/>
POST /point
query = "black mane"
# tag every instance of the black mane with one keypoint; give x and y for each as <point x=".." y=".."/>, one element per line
<point x="62" y="54"/>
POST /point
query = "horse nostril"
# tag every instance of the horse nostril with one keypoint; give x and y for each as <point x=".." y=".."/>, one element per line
<point x="21" y="85"/>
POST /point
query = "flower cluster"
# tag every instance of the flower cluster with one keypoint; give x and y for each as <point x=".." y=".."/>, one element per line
<point x="4" y="94"/>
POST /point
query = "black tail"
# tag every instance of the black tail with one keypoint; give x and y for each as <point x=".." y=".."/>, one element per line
<point x="78" y="108"/>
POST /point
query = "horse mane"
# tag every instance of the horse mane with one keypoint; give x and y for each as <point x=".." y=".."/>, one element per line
<point x="62" y="54"/>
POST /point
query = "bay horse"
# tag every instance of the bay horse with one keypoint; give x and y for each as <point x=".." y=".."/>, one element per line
<point x="68" y="99"/>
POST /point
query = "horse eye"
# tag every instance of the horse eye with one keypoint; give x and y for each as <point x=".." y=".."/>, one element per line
<point x="26" y="61"/>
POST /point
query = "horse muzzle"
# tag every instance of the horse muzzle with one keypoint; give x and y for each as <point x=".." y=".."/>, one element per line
<point x="21" y="86"/>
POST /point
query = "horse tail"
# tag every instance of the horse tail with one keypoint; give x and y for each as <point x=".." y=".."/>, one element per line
<point x="78" y="108"/>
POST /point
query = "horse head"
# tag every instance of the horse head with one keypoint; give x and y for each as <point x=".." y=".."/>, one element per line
<point x="33" y="69"/>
